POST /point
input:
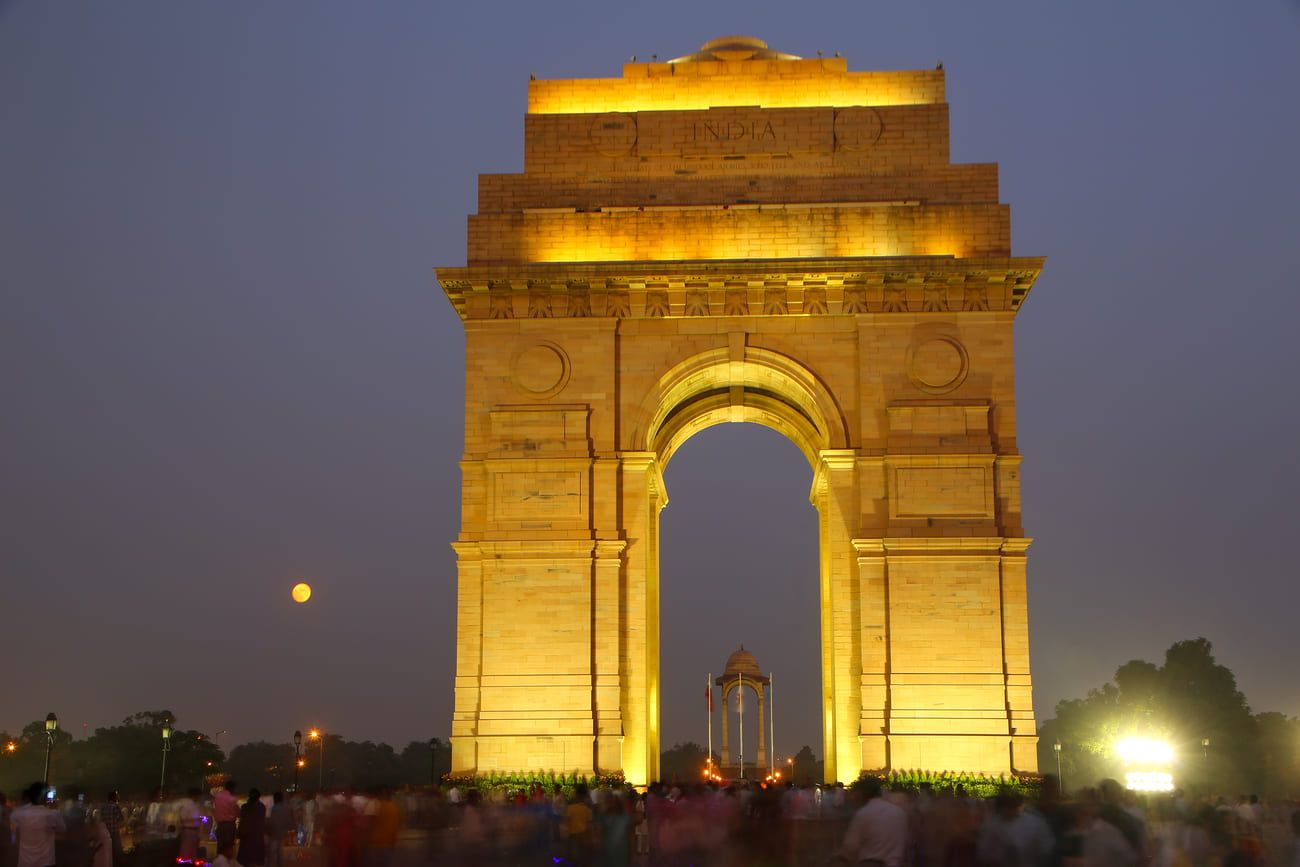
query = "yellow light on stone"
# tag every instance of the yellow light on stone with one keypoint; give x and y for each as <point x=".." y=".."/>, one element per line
<point x="301" y="592"/>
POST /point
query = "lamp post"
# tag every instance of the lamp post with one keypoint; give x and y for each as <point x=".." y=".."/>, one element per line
<point x="167" y="748"/>
<point x="1060" y="778"/>
<point x="317" y="735"/>
<point x="433" y="761"/>
<point x="790" y="762"/>
<point x="297" y="757"/>
<point x="51" y="726"/>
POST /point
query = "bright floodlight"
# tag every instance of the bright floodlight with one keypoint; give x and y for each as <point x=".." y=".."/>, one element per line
<point x="1145" y="752"/>
<point x="301" y="592"/>
<point x="1149" y="781"/>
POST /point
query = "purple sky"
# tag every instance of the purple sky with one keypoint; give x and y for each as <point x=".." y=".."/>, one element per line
<point x="225" y="364"/>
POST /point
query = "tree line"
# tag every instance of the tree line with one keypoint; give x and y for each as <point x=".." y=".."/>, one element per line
<point x="129" y="758"/>
<point x="1191" y="701"/>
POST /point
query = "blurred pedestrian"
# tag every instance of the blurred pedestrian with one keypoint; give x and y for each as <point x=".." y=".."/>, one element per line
<point x="877" y="835"/>
<point x="225" y="813"/>
<point x="226" y="856"/>
<point x="35" y="828"/>
<point x="577" y="827"/>
<point x="188" y="820"/>
<point x="113" y="817"/>
<point x="100" y="842"/>
<point x="279" y="825"/>
<point x="615" y="832"/>
<point x="6" y="838"/>
<point x="252" y="831"/>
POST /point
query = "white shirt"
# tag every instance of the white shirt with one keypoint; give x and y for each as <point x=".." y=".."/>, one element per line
<point x="1105" y="846"/>
<point x="35" y="828"/>
<point x="877" y="832"/>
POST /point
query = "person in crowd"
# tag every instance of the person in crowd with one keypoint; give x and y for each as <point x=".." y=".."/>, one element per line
<point x="72" y="848"/>
<point x="6" y="841"/>
<point x="99" y="841"/>
<point x="225" y="813"/>
<point x="1014" y="837"/>
<point x="252" y="831"/>
<point x="385" y="826"/>
<point x="35" y="828"/>
<point x="615" y="832"/>
<point x="577" y="827"/>
<point x="189" y="819"/>
<point x="226" y="856"/>
<point x="877" y="834"/>
<point x="114" y="820"/>
<point x="279" y="825"/>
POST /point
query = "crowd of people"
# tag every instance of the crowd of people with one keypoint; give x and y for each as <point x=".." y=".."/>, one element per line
<point x="865" y="825"/>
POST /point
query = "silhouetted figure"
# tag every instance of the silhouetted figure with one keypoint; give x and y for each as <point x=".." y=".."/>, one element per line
<point x="252" y="831"/>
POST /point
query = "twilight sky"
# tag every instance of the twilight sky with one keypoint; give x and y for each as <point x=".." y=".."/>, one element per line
<point x="225" y="364"/>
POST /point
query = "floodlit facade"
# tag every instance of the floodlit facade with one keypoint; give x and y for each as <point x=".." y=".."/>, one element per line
<point x="741" y="235"/>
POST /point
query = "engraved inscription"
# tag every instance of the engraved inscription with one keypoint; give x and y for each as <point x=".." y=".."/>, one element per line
<point x="951" y="492"/>
<point x="538" y="496"/>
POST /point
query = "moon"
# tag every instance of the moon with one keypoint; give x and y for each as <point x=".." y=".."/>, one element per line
<point x="301" y="592"/>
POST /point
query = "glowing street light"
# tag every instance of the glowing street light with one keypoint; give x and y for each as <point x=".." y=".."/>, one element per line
<point x="316" y="735"/>
<point x="1060" y="778"/>
<point x="297" y="757"/>
<point x="51" y="726"/>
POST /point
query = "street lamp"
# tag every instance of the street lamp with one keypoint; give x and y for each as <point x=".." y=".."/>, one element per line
<point x="315" y="734"/>
<point x="1205" y="748"/>
<point x="297" y="757"/>
<point x="1060" y="779"/>
<point x="167" y="748"/>
<point x="51" y="726"/>
<point x="790" y="762"/>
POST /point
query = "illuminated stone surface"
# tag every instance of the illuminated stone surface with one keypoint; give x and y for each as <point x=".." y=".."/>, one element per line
<point x="741" y="235"/>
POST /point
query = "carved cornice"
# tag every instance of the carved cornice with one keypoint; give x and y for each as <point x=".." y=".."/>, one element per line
<point x="930" y="285"/>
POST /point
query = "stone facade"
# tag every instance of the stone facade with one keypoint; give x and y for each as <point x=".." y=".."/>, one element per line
<point x="741" y="235"/>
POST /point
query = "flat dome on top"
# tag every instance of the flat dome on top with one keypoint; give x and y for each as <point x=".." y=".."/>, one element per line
<point x="735" y="48"/>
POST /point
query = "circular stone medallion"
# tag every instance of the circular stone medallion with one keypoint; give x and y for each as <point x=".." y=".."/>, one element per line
<point x="613" y="134"/>
<point x="541" y="369"/>
<point x="857" y="129"/>
<point x="937" y="365"/>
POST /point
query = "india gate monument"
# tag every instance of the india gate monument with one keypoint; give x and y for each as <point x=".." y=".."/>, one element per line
<point x="741" y="235"/>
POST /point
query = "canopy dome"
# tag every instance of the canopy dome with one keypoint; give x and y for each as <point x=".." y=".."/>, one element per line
<point x="742" y="663"/>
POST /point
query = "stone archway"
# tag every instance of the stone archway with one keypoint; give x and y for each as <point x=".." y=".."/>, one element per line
<point x="666" y="263"/>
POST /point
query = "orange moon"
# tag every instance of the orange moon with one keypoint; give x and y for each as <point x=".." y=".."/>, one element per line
<point x="301" y="592"/>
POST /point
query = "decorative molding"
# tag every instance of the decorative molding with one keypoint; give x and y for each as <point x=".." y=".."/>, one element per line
<point x="975" y="286"/>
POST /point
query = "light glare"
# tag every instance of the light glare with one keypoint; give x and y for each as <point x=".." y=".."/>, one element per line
<point x="1149" y="781"/>
<point x="1145" y="751"/>
<point x="301" y="592"/>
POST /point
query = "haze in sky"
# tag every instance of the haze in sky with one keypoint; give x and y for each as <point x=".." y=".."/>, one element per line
<point x="225" y="365"/>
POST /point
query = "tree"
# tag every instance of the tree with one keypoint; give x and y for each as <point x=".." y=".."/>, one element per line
<point x="1188" y="700"/>
<point x="684" y="763"/>
<point x="806" y="767"/>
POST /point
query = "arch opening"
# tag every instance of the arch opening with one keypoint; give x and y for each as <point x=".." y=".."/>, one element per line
<point x="727" y="577"/>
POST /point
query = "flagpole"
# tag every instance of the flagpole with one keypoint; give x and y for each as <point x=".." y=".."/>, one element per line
<point x="708" y="689"/>
<point x="740" y="712"/>
<point x="771" y="721"/>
